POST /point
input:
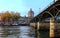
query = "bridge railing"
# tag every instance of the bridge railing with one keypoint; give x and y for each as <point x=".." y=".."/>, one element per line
<point x="49" y="5"/>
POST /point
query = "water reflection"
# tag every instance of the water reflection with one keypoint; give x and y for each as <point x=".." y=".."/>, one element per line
<point x="44" y="34"/>
<point x="17" y="32"/>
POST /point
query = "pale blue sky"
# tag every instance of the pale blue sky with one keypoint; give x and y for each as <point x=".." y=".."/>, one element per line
<point x="23" y="6"/>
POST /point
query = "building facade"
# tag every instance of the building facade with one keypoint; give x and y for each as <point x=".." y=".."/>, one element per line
<point x="26" y="20"/>
<point x="30" y="13"/>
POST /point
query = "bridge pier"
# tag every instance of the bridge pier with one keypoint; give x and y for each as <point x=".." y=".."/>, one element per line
<point x="52" y="28"/>
<point x="32" y="25"/>
<point x="38" y="27"/>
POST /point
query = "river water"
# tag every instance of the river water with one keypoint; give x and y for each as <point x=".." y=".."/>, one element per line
<point x="22" y="32"/>
<point x="17" y="32"/>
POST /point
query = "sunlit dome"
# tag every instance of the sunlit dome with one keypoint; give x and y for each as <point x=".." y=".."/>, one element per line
<point x="30" y="13"/>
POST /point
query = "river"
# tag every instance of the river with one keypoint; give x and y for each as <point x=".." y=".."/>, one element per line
<point x="17" y="32"/>
<point x="22" y="32"/>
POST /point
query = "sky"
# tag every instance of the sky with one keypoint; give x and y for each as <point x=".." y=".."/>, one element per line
<point x="23" y="6"/>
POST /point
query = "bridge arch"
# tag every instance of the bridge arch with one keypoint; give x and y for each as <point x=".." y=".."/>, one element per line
<point x="47" y="13"/>
<point x="58" y="8"/>
<point x="54" y="6"/>
<point x="55" y="10"/>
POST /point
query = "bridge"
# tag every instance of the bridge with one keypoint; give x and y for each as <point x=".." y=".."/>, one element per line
<point x="48" y="19"/>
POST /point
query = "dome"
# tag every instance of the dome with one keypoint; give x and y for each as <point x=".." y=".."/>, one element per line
<point x="30" y="13"/>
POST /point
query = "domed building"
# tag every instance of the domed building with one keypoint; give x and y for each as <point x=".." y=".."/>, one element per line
<point x="30" y="13"/>
<point x="26" y="20"/>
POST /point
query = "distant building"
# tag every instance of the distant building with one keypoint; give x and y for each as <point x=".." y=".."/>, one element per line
<point x="26" y="20"/>
<point x="30" y="13"/>
<point x="21" y="20"/>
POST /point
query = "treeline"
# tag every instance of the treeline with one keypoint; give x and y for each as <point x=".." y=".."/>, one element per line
<point x="7" y="16"/>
